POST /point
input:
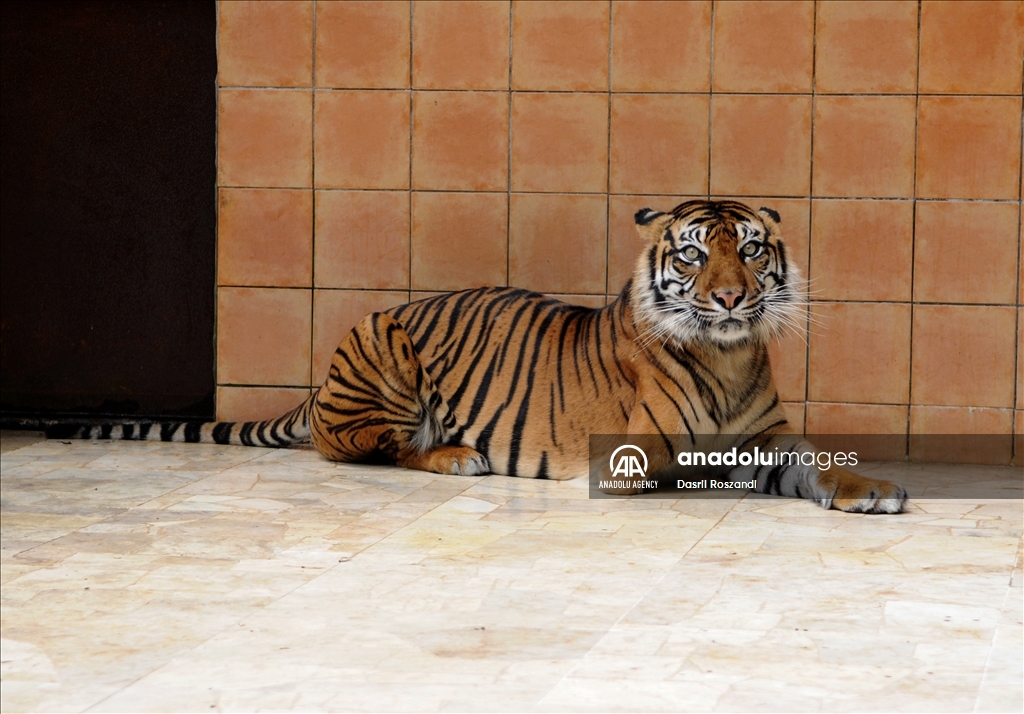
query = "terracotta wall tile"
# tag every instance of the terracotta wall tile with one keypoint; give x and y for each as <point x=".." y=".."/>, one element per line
<point x="860" y="353"/>
<point x="968" y="147"/>
<point x="362" y="44"/>
<point x="257" y="403"/>
<point x="659" y="144"/>
<point x="362" y="139"/>
<point x="460" y="141"/>
<point x="960" y="420"/>
<point x="460" y="45"/>
<point x="557" y="243"/>
<point x="265" y="237"/>
<point x="971" y="47"/>
<point x="263" y="336"/>
<point x="963" y="356"/>
<point x="372" y="243"/>
<point x="560" y="46"/>
<point x="879" y="421"/>
<point x="866" y="47"/>
<point x="957" y="424"/>
<point x="795" y="415"/>
<point x="624" y="243"/>
<point x="417" y="295"/>
<point x="861" y="250"/>
<point x="335" y="313"/>
<point x="763" y="46"/>
<point x="362" y="239"/>
<point x="788" y="356"/>
<point x="265" y="44"/>
<point x="594" y="301"/>
<point x="459" y="240"/>
<point x="826" y="418"/>
<point x="263" y="138"/>
<point x="760" y="145"/>
<point x="560" y="142"/>
<point x="864" y="146"/>
<point x="661" y="46"/>
<point x="965" y="252"/>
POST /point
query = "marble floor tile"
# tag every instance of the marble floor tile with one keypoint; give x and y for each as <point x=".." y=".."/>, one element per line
<point x="180" y="577"/>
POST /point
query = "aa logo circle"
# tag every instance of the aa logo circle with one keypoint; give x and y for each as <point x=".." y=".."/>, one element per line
<point x="625" y="462"/>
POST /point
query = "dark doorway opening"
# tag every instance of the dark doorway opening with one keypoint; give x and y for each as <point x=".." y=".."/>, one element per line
<point x="107" y="209"/>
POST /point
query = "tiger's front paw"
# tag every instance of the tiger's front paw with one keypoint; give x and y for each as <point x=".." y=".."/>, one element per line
<point x="863" y="495"/>
<point x="454" y="460"/>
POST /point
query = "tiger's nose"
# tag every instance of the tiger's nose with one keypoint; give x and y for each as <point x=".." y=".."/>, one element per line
<point x="728" y="298"/>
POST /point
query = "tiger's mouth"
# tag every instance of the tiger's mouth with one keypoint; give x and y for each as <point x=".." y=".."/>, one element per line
<point x="730" y="329"/>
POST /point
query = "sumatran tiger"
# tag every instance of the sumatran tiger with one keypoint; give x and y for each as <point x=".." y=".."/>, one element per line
<point x="506" y="381"/>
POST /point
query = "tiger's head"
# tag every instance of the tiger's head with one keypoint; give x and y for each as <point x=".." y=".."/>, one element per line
<point x="714" y="271"/>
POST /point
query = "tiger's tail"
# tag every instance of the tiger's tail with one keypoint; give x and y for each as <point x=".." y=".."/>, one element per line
<point x="285" y="430"/>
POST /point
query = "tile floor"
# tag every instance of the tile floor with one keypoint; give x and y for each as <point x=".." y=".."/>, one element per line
<point x="172" y="577"/>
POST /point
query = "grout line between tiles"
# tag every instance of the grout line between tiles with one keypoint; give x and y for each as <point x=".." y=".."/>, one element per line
<point x="508" y="178"/>
<point x="412" y="124"/>
<point x="929" y="304"/>
<point x="1017" y="386"/>
<point x="913" y="227"/>
<point x="810" y="217"/>
<point x="216" y="211"/>
<point x="265" y="88"/>
<point x="312" y="181"/>
<point x="883" y="199"/>
<point x="608" y="154"/>
<point x="711" y="93"/>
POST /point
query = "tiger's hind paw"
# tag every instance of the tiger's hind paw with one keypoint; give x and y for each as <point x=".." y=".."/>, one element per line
<point x="454" y="460"/>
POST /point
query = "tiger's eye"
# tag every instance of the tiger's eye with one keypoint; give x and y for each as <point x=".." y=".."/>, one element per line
<point x="751" y="249"/>
<point x="691" y="253"/>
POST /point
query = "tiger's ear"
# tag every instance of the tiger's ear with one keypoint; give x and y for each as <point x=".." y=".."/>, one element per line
<point x="770" y="213"/>
<point x="651" y="224"/>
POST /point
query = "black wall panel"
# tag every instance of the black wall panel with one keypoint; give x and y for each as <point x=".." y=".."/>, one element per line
<point x="107" y="208"/>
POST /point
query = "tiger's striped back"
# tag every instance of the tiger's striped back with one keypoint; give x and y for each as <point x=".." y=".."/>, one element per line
<point x="526" y="376"/>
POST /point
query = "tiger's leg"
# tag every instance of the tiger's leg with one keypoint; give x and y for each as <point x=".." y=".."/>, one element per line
<point x="796" y="472"/>
<point x="653" y="416"/>
<point x="378" y="398"/>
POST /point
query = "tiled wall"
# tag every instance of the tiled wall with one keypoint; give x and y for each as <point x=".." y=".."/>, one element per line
<point x="371" y="153"/>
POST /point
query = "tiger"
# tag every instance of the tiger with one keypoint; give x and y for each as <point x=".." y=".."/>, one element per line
<point x="506" y="381"/>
